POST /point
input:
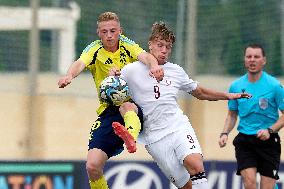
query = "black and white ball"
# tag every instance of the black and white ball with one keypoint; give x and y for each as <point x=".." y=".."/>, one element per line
<point x="114" y="90"/>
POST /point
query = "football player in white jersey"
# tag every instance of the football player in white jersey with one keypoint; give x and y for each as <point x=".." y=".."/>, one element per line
<point x="167" y="132"/>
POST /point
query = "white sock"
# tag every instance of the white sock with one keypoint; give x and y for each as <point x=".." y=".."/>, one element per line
<point x="199" y="181"/>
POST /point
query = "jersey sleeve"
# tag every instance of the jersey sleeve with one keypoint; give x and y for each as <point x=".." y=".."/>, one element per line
<point x="87" y="55"/>
<point x="132" y="48"/>
<point x="187" y="84"/>
<point x="232" y="104"/>
<point x="128" y="72"/>
<point x="279" y="95"/>
<point x="136" y="50"/>
<point x="124" y="73"/>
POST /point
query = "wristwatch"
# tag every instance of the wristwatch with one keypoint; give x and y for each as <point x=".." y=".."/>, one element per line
<point x="270" y="131"/>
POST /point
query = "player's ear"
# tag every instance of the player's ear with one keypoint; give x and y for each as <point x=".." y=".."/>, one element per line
<point x="264" y="60"/>
<point x="98" y="32"/>
<point x="149" y="44"/>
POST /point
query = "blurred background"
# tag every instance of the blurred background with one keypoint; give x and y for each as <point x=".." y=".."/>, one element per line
<point x="44" y="129"/>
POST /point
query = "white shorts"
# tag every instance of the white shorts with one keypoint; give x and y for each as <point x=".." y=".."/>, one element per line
<point x="170" y="151"/>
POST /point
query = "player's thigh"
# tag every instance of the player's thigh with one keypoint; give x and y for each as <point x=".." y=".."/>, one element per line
<point x="245" y="155"/>
<point x="102" y="135"/>
<point x="163" y="153"/>
<point x="188" y="150"/>
<point x="186" y="143"/>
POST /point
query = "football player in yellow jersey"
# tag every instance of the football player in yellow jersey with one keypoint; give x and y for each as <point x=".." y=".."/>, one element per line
<point x="103" y="57"/>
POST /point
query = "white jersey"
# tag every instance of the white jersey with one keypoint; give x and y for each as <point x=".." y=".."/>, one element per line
<point x="158" y="100"/>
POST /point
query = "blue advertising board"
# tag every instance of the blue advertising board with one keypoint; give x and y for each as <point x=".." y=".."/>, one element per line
<point x="222" y="175"/>
<point x="147" y="175"/>
<point x="119" y="174"/>
<point x="42" y="175"/>
<point x="138" y="174"/>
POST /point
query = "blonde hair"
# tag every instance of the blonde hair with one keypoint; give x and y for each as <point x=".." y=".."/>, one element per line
<point x="107" y="16"/>
<point x="162" y="32"/>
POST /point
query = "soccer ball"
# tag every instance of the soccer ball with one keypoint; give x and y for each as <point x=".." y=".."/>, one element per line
<point x="114" y="90"/>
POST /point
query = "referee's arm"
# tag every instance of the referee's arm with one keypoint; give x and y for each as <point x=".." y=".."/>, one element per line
<point x="230" y="123"/>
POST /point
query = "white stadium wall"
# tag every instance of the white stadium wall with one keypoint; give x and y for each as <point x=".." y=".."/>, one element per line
<point x="64" y="118"/>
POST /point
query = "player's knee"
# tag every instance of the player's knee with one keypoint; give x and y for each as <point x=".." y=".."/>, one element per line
<point x="249" y="182"/>
<point x="194" y="164"/>
<point x="195" y="168"/>
<point x="94" y="171"/>
<point x="127" y="106"/>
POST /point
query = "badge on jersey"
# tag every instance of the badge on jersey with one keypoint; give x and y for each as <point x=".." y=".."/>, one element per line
<point x="263" y="103"/>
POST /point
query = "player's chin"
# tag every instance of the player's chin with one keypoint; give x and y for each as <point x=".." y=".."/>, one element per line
<point x="253" y="70"/>
<point x="162" y="60"/>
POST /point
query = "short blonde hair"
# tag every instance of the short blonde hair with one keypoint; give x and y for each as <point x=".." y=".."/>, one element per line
<point x="107" y="16"/>
<point x="162" y="32"/>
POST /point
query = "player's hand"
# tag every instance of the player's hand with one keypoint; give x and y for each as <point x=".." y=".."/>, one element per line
<point x="64" y="81"/>
<point x="233" y="96"/>
<point x="114" y="72"/>
<point x="223" y="141"/>
<point x="263" y="134"/>
<point x="157" y="72"/>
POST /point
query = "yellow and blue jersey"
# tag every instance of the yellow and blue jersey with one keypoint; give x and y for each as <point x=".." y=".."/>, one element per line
<point x="99" y="61"/>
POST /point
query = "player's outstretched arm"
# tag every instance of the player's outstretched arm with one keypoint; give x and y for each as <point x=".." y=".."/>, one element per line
<point x="233" y="96"/>
<point x="74" y="70"/>
<point x="155" y="70"/>
<point x="202" y="93"/>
